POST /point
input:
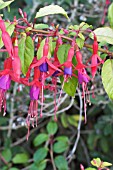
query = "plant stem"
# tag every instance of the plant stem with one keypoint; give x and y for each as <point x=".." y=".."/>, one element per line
<point x="3" y="160"/>
<point x="51" y="154"/>
<point x="70" y="39"/>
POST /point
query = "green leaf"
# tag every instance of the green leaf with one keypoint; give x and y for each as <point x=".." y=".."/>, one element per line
<point x="40" y="166"/>
<point x="26" y="52"/>
<point x="90" y="168"/>
<point x="41" y="26"/>
<point x="10" y="29"/>
<point x="96" y="162"/>
<point x="105" y="164"/>
<point x="104" y="34"/>
<point x="70" y="86"/>
<point x="61" y="163"/>
<point x="29" y="53"/>
<point x="110" y="14"/>
<point x="4" y="4"/>
<point x="51" y="9"/>
<point x="39" y="139"/>
<point x="107" y="77"/>
<point x="7" y="155"/>
<point x="40" y="50"/>
<point x="74" y="27"/>
<point x="40" y="155"/>
<point x="5" y="168"/>
<point x="52" y="128"/>
<point x="64" y="120"/>
<point x="80" y="42"/>
<point x="62" y="138"/>
<point x="81" y="36"/>
<point x="72" y="121"/>
<point x="20" y="158"/>
<point x="84" y="26"/>
<point x="63" y="52"/>
<point x="33" y="167"/>
<point x="60" y="146"/>
<point x="21" y="47"/>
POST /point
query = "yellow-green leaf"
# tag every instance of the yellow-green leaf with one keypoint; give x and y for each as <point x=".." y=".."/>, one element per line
<point x="20" y="158"/>
<point x="105" y="164"/>
<point x="51" y="9"/>
<point x="107" y="77"/>
<point x="4" y="4"/>
<point x="104" y="34"/>
<point x="10" y="29"/>
<point x="110" y="15"/>
<point x="96" y="162"/>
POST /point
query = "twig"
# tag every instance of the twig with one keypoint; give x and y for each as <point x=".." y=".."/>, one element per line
<point x="85" y="151"/>
<point x="70" y="39"/>
<point x="3" y="160"/>
<point x="21" y="140"/>
<point x="51" y="155"/>
<point x="70" y="156"/>
<point x="73" y="11"/>
<point x="12" y="111"/>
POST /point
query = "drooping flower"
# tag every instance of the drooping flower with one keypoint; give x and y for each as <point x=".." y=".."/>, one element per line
<point x="46" y="68"/>
<point x="5" y="82"/>
<point x="6" y="75"/>
<point x="34" y="95"/>
<point x="33" y="108"/>
<point x="44" y="63"/>
<point x="95" y="58"/>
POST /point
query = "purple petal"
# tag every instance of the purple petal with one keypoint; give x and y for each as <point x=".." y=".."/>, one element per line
<point x="34" y="92"/>
<point x="82" y="78"/>
<point x="68" y="71"/>
<point x="55" y="74"/>
<point x="43" y="67"/>
<point x="5" y="82"/>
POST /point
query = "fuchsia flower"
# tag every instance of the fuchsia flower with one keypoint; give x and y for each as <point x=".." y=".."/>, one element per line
<point x="44" y="63"/>
<point x="4" y="86"/>
<point x="33" y="108"/>
<point x="46" y="69"/>
<point x="68" y="64"/>
<point x="9" y="73"/>
<point x="34" y="95"/>
<point x="95" y="58"/>
<point x="82" y="76"/>
<point x="5" y="81"/>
